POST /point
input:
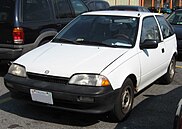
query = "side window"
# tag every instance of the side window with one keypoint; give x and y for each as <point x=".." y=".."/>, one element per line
<point x="150" y="30"/>
<point x="165" y="27"/>
<point x="62" y="9"/>
<point x="7" y="10"/>
<point x="140" y="9"/>
<point x="36" y="10"/>
<point x="78" y="6"/>
<point x="91" y="5"/>
<point x="100" y="5"/>
<point x="145" y="10"/>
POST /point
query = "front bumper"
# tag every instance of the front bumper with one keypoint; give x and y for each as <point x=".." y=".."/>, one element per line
<point x="65" y="96"/>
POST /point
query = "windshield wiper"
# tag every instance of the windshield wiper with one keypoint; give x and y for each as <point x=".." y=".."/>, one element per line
<point x="95" y="43"/>
<point x="64" y="40"/>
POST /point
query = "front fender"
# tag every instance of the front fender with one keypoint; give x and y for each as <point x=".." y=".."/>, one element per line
<point x="121" y="69"/>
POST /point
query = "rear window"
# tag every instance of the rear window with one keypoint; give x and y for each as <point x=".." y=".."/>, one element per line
<point x="7" y="10"/>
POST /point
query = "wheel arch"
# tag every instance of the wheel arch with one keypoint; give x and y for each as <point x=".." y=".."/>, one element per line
<point x="134" y="80"/>
<point x="175" y="55"/>
<point x="44" y="35"/>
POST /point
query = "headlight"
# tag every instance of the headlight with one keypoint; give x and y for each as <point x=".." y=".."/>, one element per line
<point x="17" y="70"/>
<point x="89" y="79"/>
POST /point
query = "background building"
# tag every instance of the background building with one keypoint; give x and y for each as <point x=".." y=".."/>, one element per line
<point x="148" y="3"/>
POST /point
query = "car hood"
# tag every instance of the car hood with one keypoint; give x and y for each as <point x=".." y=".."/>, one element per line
<point x="178" y="31"/>
<point x="64" y="60"/>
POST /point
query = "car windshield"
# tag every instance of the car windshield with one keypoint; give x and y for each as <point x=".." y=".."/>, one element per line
<point x="175" y="18"/>
<point x="110" y="31"/>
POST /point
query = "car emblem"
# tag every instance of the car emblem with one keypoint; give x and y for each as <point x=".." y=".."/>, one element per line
<point x="46" y="72"/>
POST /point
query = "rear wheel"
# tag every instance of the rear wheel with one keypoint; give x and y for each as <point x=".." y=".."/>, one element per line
<point x="169" y="76"/>
<point x="124" y="101"/>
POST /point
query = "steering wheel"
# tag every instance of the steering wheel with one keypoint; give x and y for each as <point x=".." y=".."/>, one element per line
<point x="122" y="37"/>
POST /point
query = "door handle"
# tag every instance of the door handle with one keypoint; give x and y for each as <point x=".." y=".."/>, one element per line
<point x="163" y="50"/>
<point x="60" y="25"/>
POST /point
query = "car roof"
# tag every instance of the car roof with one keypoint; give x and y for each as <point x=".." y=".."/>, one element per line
<point x="129" y="8"/>
<point x="121" y="13"/>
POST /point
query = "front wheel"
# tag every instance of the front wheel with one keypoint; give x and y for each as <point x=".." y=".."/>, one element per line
<point x="124" y="101"/>
<point x="169" y="76"/>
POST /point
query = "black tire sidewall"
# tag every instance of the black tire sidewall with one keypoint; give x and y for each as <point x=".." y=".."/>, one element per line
<point x="118" y="112"/>
<point x="168" y="78"/>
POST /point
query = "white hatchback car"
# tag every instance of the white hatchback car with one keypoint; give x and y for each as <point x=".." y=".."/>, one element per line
<point x="97" y="63"/>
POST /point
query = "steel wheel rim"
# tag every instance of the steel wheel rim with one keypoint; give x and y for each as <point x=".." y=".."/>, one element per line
<point x="126" y="100"/>
<point x="172" y="69"/>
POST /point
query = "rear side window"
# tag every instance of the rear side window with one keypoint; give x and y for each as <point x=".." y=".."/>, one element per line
<point x="78" y="6"/>
<point x="165" y="27"/>
<point x="7" y="10"/>
<point x="63" y="9"/>
<point x="36" y="10"/>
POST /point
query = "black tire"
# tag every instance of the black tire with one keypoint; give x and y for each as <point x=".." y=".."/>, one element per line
<point x="124" y="101"/>
<point x="177" y="124"/>
<point x="169" y="76"/>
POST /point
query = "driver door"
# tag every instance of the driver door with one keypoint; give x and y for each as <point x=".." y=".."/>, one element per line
<point x="152" y="60"/>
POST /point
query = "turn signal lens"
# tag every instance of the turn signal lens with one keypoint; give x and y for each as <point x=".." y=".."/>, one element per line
<point x="105" y="82"/>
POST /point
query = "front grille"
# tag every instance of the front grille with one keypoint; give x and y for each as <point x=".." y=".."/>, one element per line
<point x="47" y="78"/>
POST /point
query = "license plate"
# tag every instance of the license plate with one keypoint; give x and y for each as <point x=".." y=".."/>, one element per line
<point x="41" y="96"/>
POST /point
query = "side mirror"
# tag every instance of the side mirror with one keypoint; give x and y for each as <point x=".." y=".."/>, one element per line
<point x="149" y="44"/>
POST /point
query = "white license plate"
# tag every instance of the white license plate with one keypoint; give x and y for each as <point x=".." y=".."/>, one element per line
<point x="41" y="96"/>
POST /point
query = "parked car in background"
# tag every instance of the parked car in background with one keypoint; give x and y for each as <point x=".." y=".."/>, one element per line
<point x="129" y="8"/>
<point x="175" y="19"/>
<point x="153" y="9"/>
<point x="165" y="10"/>
<point x="94" y="5"/>
<point x="176" y="7"/>
<point x="26" y="24"/>
<point x="99" y="68"/>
